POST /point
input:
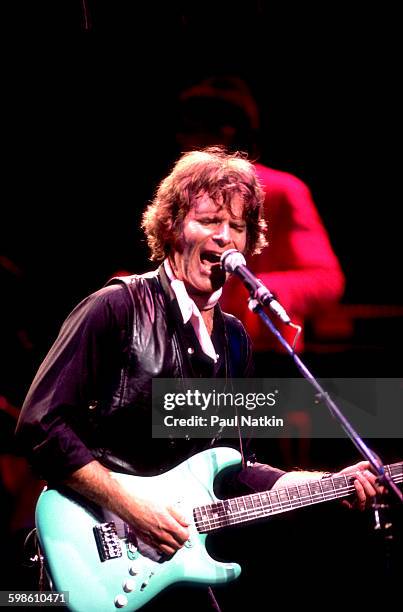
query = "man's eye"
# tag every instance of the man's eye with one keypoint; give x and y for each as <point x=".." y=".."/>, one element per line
<point x="208" y="221"/>
<point x="238" y="228"/>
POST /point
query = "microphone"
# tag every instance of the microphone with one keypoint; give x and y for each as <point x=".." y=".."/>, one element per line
<point x="234" y="262"/>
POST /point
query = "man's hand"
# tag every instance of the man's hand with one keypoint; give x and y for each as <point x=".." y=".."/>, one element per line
<point x="161" y="527"/>
<point x="365" y="484"/>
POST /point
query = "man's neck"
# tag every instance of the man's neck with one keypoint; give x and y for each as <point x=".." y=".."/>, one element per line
<point x="203" y="302"/>
<point x="208" y="318"/>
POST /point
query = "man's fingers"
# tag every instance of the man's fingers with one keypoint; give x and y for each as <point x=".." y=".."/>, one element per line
<point x="168" y="550"/>
<point x="171" y="531"/>
<point x="179" y="527"/>
<point x="179" y="517"/>
<point x="368" y="482"/>
<point x="361" y="497"/>
<point x="366" y="488"/>
<point x="169" y="546"/>
<point x="165" y="542"/>
<point x="365" y="483"/>
<point x="180" y="536"/>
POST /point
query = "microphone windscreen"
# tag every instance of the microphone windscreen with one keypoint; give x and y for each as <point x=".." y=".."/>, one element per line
<point x="231" y="260"/>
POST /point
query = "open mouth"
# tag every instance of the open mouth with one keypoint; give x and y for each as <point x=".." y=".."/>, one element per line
<point x="209" y="257"/>
<point x="211" y="266"/>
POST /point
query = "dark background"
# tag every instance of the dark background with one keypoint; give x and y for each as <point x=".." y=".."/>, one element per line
<point x="88" y="121"/>
<point x="88" y="115"/>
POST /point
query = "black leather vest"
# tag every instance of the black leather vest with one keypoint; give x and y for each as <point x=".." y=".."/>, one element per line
<point x="160" y="346"/>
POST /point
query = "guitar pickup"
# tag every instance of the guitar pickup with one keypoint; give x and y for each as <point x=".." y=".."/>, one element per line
<point x="108" y="542"/>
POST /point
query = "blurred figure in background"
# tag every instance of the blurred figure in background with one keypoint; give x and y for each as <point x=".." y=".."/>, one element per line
<point x="299" y="265"/>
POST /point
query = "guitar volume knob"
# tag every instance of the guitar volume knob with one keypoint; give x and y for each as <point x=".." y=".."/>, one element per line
<point x="121" y="601"/>
<point x="129" y="585"/>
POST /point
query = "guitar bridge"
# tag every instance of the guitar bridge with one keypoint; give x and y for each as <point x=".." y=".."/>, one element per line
<point x="108" y="542"/>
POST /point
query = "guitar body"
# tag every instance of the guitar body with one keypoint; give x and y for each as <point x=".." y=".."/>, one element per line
<point x="104" y="565"/>
<point x="75" y="539"/>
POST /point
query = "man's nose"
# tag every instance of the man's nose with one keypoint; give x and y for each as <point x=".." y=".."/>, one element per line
<point x="223" y="234"/>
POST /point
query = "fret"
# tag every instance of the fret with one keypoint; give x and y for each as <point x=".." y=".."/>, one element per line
<point x="306" y="496"/>
<point x="294" y="496"/>
<point x="275" y="500"/>
<point x="219" y="509"/>
<point x="266" y="501"/>
<point x="226" y="515"/>
<point x="284" y="498"/>
<point x="211" y="512"/>
<point x="226" y="512"/>
<point x="315" y="489"/>
<point x="328" y="487"/>
<point x="248" y="503"/>
<point x="204" y="512"/>
<point x="215" y="511"/>
<point x="341" y="482"/>
<point x="251" y="502"/>
<point x="197" y="515"/>
<point x="241" y="502"/>
<point x="257" y="502"/>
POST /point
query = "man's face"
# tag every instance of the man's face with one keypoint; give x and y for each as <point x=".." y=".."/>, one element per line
<point x="208" y="230"/>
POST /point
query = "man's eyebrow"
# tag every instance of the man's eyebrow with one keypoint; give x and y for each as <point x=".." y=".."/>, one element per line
<point x="216" y="215"/>
<point x="208" y="214"/>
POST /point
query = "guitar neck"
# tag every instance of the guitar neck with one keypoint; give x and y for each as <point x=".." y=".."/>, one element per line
<point x="259" y="505"/>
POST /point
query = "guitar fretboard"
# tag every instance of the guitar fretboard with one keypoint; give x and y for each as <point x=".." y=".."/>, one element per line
<point x="258" y="505"/>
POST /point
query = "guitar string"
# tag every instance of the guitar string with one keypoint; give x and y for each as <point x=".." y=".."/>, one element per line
<point x="273" y="508"/>
<point x="277" y="506"/>
<point x="257" y="497"/>
<point x="270" y="506"/>
<point x="208" y="525"/>
<point x="245" y="516"/>
<point x="316" y="483"/>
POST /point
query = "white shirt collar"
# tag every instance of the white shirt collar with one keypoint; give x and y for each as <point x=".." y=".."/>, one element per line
<point x="188" y="309"/>
<point x="186" y="305"/>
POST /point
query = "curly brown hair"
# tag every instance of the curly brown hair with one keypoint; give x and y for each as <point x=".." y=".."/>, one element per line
<point x="212" y="171"/>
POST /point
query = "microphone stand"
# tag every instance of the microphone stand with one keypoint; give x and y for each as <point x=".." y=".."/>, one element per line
<point x="322" y="395"/>
<point x="380" y="526"/>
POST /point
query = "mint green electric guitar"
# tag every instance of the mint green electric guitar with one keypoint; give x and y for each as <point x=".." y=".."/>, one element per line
<point x="104" y="566"/>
